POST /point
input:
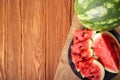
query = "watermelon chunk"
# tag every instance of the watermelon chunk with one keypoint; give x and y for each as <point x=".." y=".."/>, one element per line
<point x="93" y="70"/>
<point x="77" y="48"/>
<point x="79" y="57"/>
<point x="108" y="51"/>
<point x="81" y="35"/>
<point x="81" y="51"/>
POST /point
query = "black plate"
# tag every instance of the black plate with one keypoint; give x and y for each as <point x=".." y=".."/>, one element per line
<point x="108" y="75"/>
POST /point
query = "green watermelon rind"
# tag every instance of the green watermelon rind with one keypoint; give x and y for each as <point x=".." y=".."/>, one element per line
<point x="104" y="21"/>
<point x="99" y="35"/>
<point x="97" y="25"/>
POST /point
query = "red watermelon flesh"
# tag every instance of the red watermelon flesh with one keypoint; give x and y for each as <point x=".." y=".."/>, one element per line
<point x="82" y="56"/>
<point x="81" y="35"/>
<point x="107" y="48"/>
<point x="79" y="57"/>
<point x="92" y="69"/>
<point x="76" y="58"/>
<point x="77" y="48"/>
<point x="81" y="51"/>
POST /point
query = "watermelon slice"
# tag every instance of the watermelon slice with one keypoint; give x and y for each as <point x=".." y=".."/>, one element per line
<point x="77" y="48"/>
<point x="81" y="51"/>
<point x="82" y="55"/>
<point x="81" y="35"/>
<point x="77" y="58"/>
<point x="93" y="70"/>
<point x="107" y="48"/>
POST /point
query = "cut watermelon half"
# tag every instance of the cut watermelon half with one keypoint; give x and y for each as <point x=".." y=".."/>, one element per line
<point x="108" y="51"/>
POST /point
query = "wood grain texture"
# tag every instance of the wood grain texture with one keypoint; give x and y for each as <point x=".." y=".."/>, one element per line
<point x="33" y="40"/>
<point x="2" y="70"/>
<point x="58" y="18"/>
<point x="12" y="54"/>
<point x="71" y="12"/>
<point x="32" y="35"/>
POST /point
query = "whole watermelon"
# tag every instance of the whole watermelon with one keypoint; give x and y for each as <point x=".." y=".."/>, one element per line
<point x="99" y="15"/>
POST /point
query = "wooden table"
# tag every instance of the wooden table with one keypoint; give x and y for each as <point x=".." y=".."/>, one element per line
<point x="32" y="35"/>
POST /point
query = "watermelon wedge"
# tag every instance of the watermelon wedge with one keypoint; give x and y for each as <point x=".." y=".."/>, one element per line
<point x="107" y="48"/>
<point x="81" y="35"/>
<point x="77" y="48"/>
<point x="93" y="70"/>
<point x="77" y="58"/>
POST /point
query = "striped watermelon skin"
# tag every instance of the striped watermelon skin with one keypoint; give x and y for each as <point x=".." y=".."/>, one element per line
<point x="99" y="15"/>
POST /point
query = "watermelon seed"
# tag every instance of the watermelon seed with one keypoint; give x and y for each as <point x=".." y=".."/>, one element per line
<point x="83" y="34"/>
<point x="76" y="38"/>
<point x="80" y="46"/>
<point x="92" y="76"/>
<point x="82" y="50"/>
<point x="74" y="53"/>
<point x="78" y="63"/>
<point x="82" y="58"/>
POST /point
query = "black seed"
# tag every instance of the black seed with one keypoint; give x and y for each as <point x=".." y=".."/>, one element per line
<point x="74" y="53"/>
<point x="82" y="50"/>
<point x="78" y="62"/>
<point x="76" y="38"/>
<point x="80" y="46"/>
<point x="92" y="76"/>
<point x="83" y="34"/>
<point x="83" y="58"/>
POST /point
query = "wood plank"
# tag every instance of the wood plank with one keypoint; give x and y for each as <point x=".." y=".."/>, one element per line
<point x="33" y="46"/>
<point x="12" y="55"/>
<point x="72" y="11"/>
<point x="57" y="27"/>
<point x="2" y="70"/>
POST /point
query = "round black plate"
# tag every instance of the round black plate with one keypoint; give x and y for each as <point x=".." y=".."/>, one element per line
<point x="108" y="75"/>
